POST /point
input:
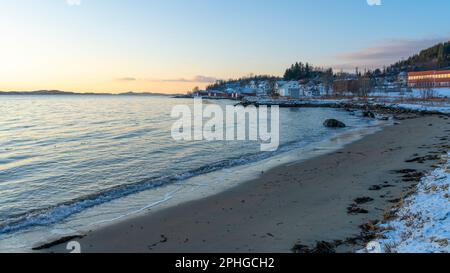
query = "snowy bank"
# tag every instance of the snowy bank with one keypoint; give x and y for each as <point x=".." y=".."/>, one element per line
<point x="418" y="106"/>
<point x="445" y="109"/>
<point x="413" y="93"/>
<point x="422" y="223"/>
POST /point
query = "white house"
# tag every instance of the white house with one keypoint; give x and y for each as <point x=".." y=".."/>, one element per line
<point x="286" y="89"/>
<point x="279" y="84"/>
<point x="311" y="90"/>
<point x="260" y="88"/>
<point x="253" y="85"/>
<point x="324" y="90"/>
<point x="264" y="85"/>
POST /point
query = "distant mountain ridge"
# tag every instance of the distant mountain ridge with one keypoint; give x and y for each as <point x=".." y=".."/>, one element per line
<point x="62" y="93"/>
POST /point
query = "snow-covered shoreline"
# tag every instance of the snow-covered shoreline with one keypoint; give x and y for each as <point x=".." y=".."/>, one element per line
<point x="417" y="106"/>
<point x="422" y="221"/>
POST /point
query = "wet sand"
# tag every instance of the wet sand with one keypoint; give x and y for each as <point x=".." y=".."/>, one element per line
<point x="299" y="203"/>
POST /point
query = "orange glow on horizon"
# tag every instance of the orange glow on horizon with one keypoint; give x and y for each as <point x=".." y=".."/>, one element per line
<point x="114" y="87"/>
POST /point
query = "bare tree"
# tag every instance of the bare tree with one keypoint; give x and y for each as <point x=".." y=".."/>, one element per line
<point x="271" y="88"/>
<point x="327" y="80"/>
<point x="427" y="93"/>
<point x="365" y="86"/>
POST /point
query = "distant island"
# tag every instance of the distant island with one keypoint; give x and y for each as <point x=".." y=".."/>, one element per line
<point x="65" y="93"/>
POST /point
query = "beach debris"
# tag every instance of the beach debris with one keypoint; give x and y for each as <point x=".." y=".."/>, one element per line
<point x="163" y="240"/>
<point x="423" y="159"/>
<point x="325" y="247"/>
<point x="405" y="171"/>
<point x="353" y="209"/>
<point x="412" y="177"/>
<point x="321" y="247"/>
<point x="395" y="201"/>
<point x="334" y="123"/>
<point x="301" y="249"/>
<point x="375" y="188"/>
<point x="370" y="226"/>
<point x="369" y="232"/>
<point x="363" y="200"/>
<point x="60" y="241"/>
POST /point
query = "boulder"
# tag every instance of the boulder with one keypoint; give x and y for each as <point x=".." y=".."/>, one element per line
<point x="368" y="114"/>
<point x="334" y="123"/>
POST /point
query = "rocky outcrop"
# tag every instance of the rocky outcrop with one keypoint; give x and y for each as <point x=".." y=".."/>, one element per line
<point x="334" y="123"/>
<point x="343" y="104"/>
<point x="368" y="114"/>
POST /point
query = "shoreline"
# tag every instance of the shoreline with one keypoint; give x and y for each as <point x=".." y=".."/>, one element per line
<point x="370" y="104"/>
<point x="194" y="188"/>
<point x="247" y="214"/>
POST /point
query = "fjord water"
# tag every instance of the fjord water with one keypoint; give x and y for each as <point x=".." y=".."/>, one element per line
<point x="63" y="155"/>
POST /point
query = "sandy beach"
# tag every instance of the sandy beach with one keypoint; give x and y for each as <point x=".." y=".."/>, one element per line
<point x="326" y="198"/>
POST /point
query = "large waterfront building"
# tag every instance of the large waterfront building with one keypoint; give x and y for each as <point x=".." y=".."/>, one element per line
<point x="429" y="79"/>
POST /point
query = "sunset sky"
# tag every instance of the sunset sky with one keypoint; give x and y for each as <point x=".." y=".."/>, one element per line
<point x="173" y="45"/>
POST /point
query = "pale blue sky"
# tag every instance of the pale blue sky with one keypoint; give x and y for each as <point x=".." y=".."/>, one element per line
<point x="162" y="45"/>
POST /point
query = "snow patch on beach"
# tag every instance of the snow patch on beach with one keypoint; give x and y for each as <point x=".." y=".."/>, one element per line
<point x="414" y="93"/>
<point x="422" y="107"/>
<point x="423" y="221"/>
<point x="419" y="105"/>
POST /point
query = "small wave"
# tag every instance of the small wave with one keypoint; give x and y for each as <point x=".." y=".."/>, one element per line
<point x="13" y="159"/>
<point x="57" y="213"/>
<point x="133" y="134"/>
<point x="54" y="214"/>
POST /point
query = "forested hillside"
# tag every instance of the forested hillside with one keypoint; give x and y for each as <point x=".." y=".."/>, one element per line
<point x="435" y="57"/>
